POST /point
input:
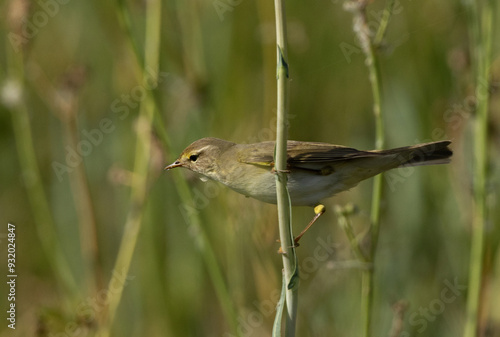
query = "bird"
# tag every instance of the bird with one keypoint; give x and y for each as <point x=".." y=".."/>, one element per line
<point x="315" y="171"/>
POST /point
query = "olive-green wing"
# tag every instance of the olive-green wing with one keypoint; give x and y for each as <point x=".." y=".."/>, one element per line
<point x="325" y="158"/>
<point x="309" y="152"/>
<point x="262" y="154"/>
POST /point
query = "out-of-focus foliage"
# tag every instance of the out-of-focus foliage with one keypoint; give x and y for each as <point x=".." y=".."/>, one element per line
<point x="217" y="78"/>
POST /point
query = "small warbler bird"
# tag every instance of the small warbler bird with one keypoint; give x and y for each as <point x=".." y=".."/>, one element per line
<point x="315" y="170"/>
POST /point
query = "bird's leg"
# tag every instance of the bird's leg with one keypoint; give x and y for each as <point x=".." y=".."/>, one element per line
<point x="319" y="210"/>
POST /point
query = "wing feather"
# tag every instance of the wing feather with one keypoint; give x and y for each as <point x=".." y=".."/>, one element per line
<point x="300" y="153"/>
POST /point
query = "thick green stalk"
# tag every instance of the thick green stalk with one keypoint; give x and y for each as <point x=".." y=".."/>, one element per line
<point x="482" y="37"/>
<point x="283" y="199"/>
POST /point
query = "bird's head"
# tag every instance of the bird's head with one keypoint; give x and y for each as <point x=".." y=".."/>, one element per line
<point x="202" y="156"/>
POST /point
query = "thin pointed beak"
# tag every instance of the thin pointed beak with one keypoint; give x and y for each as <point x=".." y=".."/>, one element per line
<point x="173" y="165"/>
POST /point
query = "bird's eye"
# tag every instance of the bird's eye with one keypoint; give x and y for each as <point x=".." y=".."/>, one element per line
<point x="193" y="157"/>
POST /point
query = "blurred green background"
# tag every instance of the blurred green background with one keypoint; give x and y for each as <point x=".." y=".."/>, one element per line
<point x="73" y="72"/>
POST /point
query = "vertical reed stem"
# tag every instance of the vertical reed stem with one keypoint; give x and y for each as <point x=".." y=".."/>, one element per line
<point x="283" y="198"/>
<point x="42" y="214"/>
<point x="181" y="185"/>
<point x="361" y="28"/>
<point x="481" y="50"/>
<point x="141" y="167"/>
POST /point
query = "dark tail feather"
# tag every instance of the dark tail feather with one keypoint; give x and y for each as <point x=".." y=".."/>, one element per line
<point x="424" y="154"/>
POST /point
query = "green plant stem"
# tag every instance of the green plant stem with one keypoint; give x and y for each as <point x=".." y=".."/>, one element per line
<point x="126" y="25"/>
<point x="202" y="242"/>
<point x="367" y="281"/>
<point x="283" y="198"/>
<point x="192" y="43"/>
<point x="44" y="222"/>
<point x="382" y="28"/>
<point x="344" y="218"/>
<point x="482" y="38"/>
<point x="360" y="26"/>
<point x="141" y="166"/>
<point x="201" y="239"/>
<point x="66" y="108"/>
<point x="83" y="200"/>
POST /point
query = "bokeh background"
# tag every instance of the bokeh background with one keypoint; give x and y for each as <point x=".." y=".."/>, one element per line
<point x="205" y="263"/>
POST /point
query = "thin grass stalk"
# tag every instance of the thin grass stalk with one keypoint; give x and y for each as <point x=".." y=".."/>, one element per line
<point x="42" y="214"/>
<point x="361" y="28"/>
<point x="344" y="215"/>
<point x="126" y="25"/>
<point x="283" y="198"/>
<point x="82" y="199"/>
<point x="384" y="22"/>
<point x="201" y="239"/>
<point x="482" y="39"/>
<point x="192" y="43"/>
<point x="196" y="73"/>
<point x="182" y="187"/>
<point x="65" y="106"/>
<point x="377" y="192"/>
<point x="141" y="166"/>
